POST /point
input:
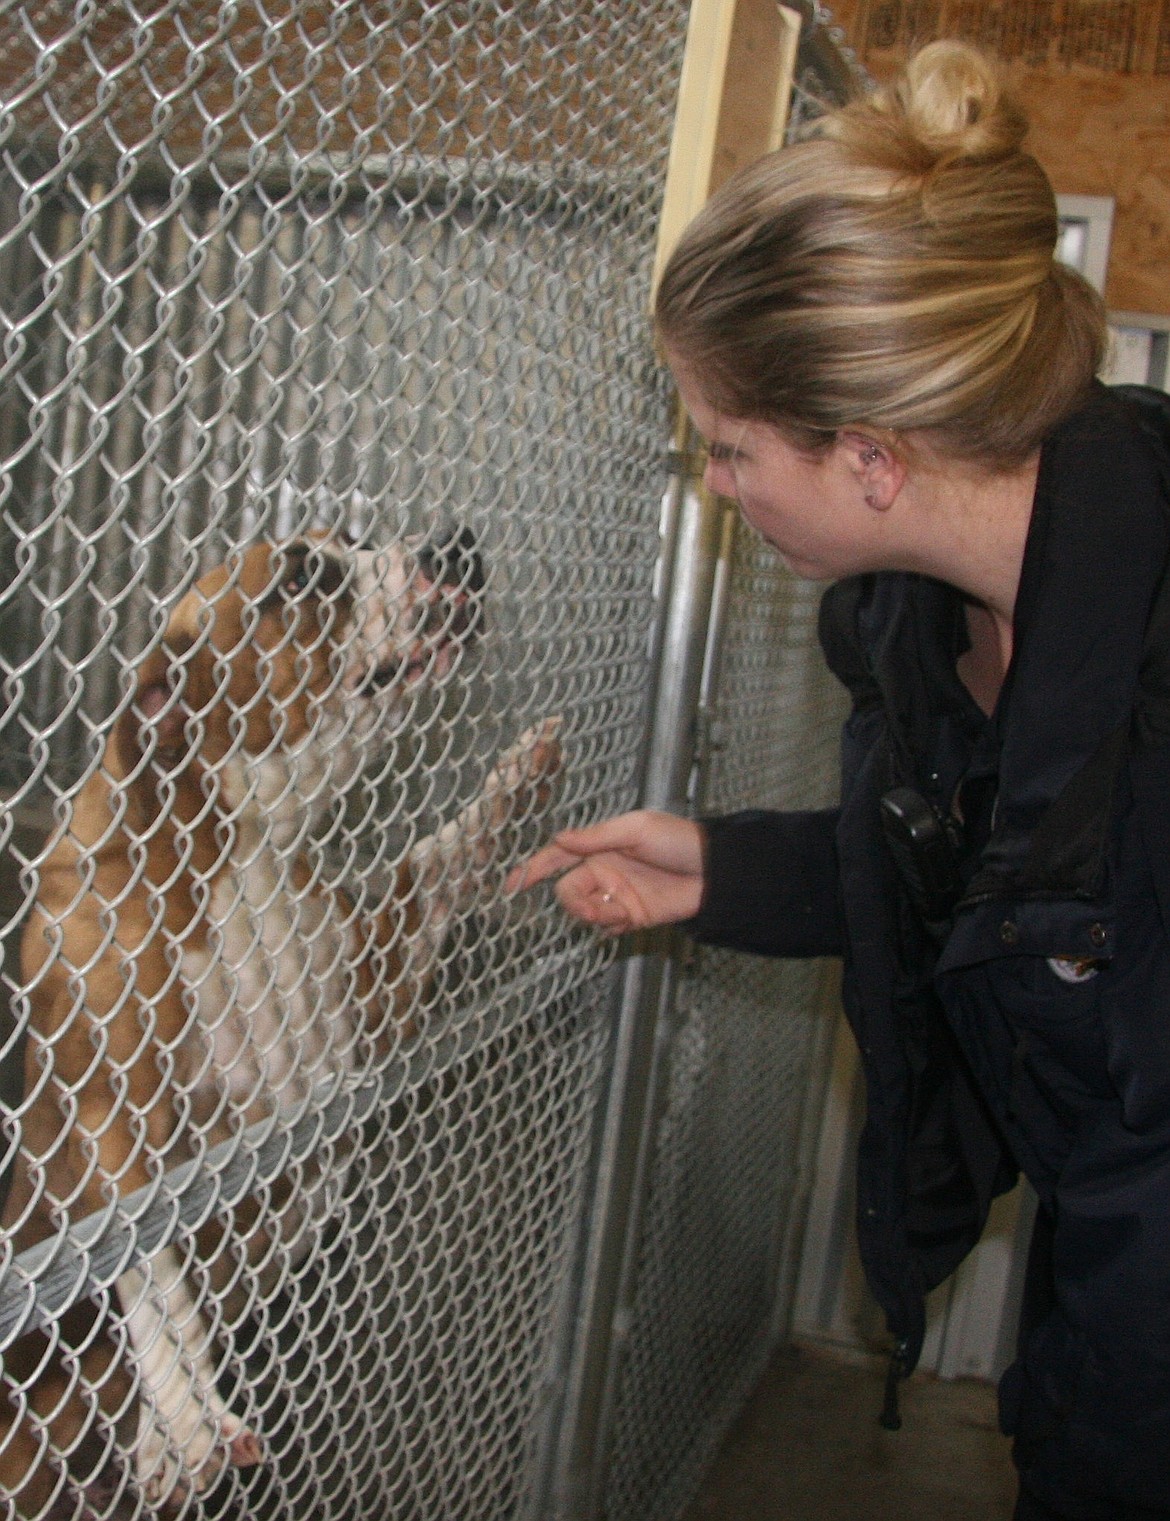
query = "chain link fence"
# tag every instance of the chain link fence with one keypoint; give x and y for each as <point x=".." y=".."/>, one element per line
<point x="729" y="1175"/>
<point x="332" y="459"/>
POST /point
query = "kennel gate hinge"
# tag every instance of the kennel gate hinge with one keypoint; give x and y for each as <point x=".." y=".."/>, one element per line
<point x="686" y="464"/>
<point x="708" y="736"/>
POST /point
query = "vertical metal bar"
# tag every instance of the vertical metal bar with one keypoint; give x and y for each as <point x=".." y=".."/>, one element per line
<point x="706" y="740"/>
<point x="682" y="656"/>
<point x="579" y="1432"/>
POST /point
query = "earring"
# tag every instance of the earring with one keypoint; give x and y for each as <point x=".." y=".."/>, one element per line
<point x="870" y="454"/>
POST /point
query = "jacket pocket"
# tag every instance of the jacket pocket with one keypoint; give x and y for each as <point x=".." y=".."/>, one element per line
<point x="1057" y="1022"/>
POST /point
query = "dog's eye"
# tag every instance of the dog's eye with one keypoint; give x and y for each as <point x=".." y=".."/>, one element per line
<point x="310" y="572"/>
<point x="299" y="580"/>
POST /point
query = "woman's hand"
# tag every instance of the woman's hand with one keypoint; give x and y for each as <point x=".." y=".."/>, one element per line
<point x="628" y="873"/>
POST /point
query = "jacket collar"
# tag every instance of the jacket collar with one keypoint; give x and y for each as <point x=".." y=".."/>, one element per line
<point x="1095" y="555"/>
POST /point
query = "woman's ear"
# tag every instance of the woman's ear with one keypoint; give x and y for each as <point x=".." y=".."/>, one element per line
<point x="876" y="464"/>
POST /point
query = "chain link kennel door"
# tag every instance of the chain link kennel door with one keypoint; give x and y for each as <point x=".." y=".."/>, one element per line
<point x="730" y="1125"/>
<point x="706" y="1156"/>
<point x="269" y="270"/>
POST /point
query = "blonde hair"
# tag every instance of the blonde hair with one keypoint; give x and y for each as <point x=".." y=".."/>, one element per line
<point x="895" y="271"/>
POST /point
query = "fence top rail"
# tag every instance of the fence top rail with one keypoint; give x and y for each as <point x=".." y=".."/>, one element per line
<point x="40" y="1284"/>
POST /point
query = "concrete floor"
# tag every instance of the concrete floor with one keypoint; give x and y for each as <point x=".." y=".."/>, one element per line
<point x="808" y="1447"/>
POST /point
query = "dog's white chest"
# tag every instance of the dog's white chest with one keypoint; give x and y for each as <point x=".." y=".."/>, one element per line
<point x="273" y="990"/>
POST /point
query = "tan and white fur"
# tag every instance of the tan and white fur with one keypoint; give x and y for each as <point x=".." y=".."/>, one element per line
<point x="190" y="973"/>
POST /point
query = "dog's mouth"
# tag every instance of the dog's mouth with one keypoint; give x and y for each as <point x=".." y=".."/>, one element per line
<point x="447" y="614"/>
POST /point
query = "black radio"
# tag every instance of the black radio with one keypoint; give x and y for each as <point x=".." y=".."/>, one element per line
<point x="925" y="846"/>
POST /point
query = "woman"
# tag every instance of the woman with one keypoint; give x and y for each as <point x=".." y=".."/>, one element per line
<point x="896" y="382"/>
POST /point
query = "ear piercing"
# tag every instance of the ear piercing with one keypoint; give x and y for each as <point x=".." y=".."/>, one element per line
<point x="870" y="454"/>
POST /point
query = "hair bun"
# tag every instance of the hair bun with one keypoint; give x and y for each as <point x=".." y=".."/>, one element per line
<point x="950" y="102"/>
<point x="893" y="271"/>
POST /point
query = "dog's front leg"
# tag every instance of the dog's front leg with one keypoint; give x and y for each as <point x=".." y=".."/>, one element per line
<point x="449" y="867"/>
<point x="184" y="1425"/>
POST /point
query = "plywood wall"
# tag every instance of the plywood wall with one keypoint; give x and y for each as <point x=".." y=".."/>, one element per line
<point x="1110" y="135"/>
<point x="1095" y="79"/>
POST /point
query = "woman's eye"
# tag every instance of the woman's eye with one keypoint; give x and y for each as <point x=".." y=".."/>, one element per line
<point x="720" y="454"/>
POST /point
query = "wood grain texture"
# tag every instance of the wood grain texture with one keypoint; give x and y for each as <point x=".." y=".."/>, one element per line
<point x="1097" y="130"/>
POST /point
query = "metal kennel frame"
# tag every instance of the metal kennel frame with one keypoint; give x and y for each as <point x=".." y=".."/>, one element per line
<point x="373" y="266"/>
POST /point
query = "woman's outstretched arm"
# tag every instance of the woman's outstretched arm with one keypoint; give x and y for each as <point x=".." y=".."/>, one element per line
<point x="627" y="873"/>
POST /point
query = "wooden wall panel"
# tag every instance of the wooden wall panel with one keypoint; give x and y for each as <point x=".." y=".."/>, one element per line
<point x="1110" y="135"/>
<point x="1097" y="130"/>
<point x="732" y="106"/>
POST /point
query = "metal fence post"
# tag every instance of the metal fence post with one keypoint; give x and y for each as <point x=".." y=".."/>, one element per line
<point x="594" y="1343"/>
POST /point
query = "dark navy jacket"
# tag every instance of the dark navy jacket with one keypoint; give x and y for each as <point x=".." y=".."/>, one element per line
<point x="1034" y="1031"/>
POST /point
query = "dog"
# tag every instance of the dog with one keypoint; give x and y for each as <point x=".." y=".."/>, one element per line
<point x="190" y="972"/>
